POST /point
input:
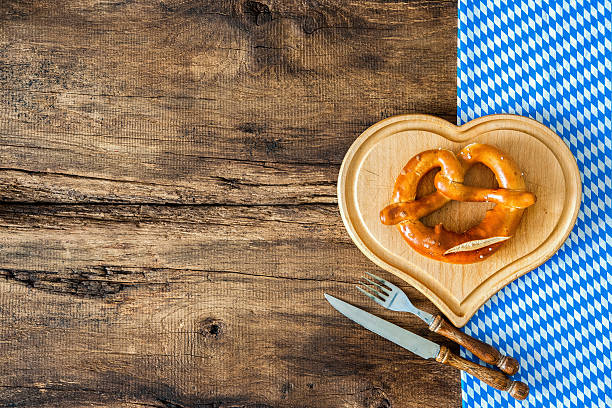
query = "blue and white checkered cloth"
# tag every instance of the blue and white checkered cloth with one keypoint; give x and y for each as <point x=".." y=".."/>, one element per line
<point x="551" y="62"/>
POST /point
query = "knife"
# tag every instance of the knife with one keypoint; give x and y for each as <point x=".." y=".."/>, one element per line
<point x="428" y="349"/>
<point x="392" y="297"/>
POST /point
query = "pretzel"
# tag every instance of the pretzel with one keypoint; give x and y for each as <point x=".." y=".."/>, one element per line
<point x="501" y="221"/>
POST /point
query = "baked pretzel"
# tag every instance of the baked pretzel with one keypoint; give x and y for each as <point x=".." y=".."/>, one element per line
<point x="501" y="221"/>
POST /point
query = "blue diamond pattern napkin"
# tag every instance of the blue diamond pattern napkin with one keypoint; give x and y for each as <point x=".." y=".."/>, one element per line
<point x="551" y="61"/>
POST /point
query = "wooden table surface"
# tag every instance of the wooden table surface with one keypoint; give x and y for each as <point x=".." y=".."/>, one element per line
<point x="168" y="214"/>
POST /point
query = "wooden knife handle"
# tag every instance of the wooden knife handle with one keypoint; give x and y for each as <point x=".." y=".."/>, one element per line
<point x="483" y="351"/>
<point x="494" y="378"/>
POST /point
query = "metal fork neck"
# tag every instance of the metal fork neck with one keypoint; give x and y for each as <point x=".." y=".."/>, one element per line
<point x="426" y="317"/>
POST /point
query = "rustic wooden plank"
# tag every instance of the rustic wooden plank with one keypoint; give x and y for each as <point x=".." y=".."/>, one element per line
<point x="194" y="345"/>
<point x="193" y="101"/>
<point x="185" y="318"/>
<point x="280" y="241"/>
<point x="219" y="182"/>
<point x="168" y="225"/>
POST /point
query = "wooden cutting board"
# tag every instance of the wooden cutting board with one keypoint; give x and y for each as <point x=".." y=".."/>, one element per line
<point x="373" y="162"/>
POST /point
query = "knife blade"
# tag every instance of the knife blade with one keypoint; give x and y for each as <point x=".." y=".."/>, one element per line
<point x="428" y="349"/>
<point x="418" y="345"/>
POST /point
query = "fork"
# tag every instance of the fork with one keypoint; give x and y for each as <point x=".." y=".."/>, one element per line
<point x="391" y="297"/>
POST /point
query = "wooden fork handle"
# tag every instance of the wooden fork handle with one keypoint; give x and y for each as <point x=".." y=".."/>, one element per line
<point x="483" y="351"/>
<point x="494" y="378"/>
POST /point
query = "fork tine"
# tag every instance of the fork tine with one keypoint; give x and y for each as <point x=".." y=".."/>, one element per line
<point x="368" y="294"/>
<point x="386" y="291"/>
<point x="378" y="278"/>
<point x="374" y="291"/>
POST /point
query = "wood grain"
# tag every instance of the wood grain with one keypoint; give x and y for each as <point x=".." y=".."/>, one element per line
<point x="483" y="351"/>
<point x="377" y="157"/>
<point x="168" y="217"/>
<point x="488" y="375"/>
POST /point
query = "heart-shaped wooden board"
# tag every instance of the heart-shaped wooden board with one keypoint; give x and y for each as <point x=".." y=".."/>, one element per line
<point x="375" y="159"/>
